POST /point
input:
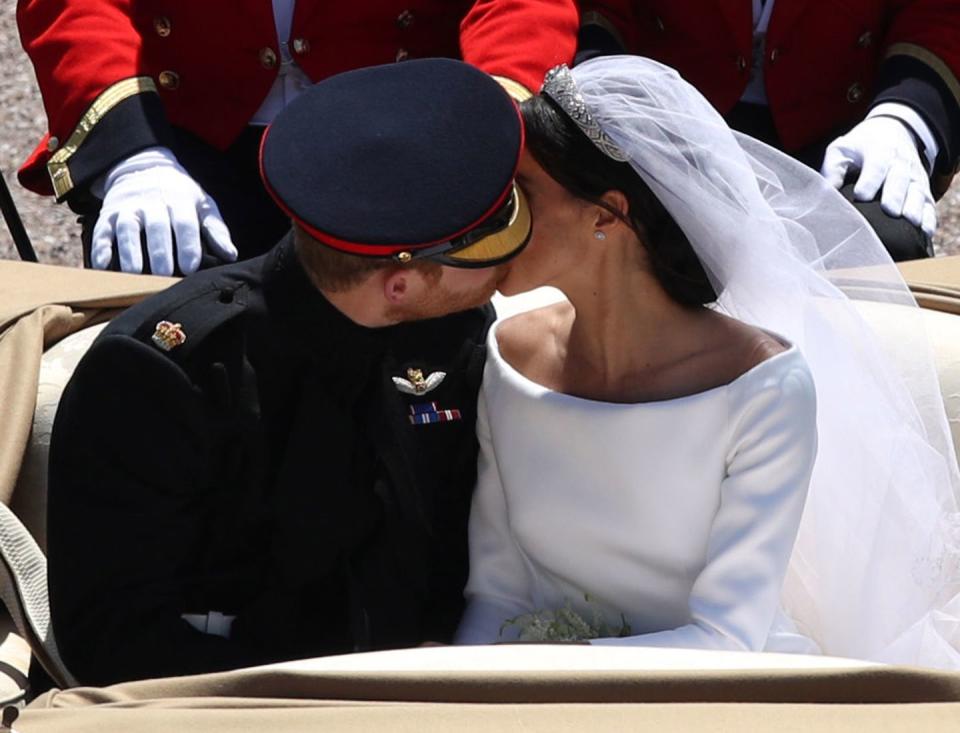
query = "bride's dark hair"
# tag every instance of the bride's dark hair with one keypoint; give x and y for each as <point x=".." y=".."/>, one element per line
<point x="574" y="162"/>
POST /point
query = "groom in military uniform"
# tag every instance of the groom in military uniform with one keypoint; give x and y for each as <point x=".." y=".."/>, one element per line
<point x="272" y="460"/>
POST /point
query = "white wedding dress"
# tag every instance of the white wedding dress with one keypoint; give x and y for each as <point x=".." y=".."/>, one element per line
<point x="875" y="569"/>
<point x="678" y="516"/>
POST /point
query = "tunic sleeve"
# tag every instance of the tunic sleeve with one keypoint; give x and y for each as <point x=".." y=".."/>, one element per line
<point x="921" y="68"/>
<point x="100" y="104"/>
<point x="735" y="598"/>
<point x="519" y="40"/>
<point x="499" y="583"/>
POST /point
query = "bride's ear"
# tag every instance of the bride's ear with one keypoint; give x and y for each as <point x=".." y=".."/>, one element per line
<point x="615" y="209"/>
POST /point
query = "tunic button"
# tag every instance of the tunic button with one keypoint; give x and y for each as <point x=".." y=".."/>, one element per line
<point x="169" y="80"/>
<point x="268" y="58"/>
<point x="774" y="55"/>
<point x="741" y="63"/>
<point x="403" y="54"/>
<point x="162" y="26"/>
<point x="659" y="24"/>
<point x="865" y="40"/>
<point x="855" y="93"/>
<point x="53" y="143"/>
<point x="301" y="46"/>
<point x="405" y="19"/>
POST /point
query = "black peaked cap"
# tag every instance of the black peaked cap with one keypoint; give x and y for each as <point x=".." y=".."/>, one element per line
<point x="386" y="158"/>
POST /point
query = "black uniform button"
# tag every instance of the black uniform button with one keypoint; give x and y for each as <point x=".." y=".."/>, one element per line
<point x="225" y="297"/>
<point x="402" y="54"/>
<point x="301" y="46"/>
<point x="268" y="58"/>
<point x="865" y="40"/>
<point x="169" y="80"/>
<point x="162" y="26"/>
<point x="53" y="143"/>
<point x="741" y="63"/>
<point x="774" y="55"/>
<point x="405" y="19"/>
<point x="659" y="24"/>
<point x="855" y="93"/>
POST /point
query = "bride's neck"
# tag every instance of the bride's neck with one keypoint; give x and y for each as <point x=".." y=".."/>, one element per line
<point x="624" y="322"/>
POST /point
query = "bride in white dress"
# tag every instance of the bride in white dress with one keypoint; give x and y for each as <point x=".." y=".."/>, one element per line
<point x="647" y="445"/>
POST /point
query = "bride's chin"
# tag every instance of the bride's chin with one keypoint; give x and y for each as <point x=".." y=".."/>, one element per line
<point x="511" y="286"/>
<point x="519" y="279"/>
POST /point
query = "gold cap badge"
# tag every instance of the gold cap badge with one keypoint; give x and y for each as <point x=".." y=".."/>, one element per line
<point x="168" y="335"/>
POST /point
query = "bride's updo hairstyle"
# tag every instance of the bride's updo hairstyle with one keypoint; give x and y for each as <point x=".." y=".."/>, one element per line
<point x="574" y="162"/>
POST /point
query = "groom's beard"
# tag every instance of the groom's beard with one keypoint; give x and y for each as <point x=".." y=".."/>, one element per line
<point x="441" y="300"/>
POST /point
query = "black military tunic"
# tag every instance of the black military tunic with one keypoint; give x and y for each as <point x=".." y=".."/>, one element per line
<point x="267" y="468"/>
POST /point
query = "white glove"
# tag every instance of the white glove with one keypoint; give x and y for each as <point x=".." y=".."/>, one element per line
<point x="151" y="191"/>
<point x="884" y="151"/>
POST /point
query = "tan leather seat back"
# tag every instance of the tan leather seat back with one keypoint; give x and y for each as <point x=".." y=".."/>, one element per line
<point x="30" y="496"/>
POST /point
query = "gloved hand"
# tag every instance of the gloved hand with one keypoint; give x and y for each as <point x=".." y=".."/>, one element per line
<point x="885" y="153"/>
<point x="151" y="191"/>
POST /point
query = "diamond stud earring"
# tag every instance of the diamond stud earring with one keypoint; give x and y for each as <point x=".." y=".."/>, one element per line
<point x="599" y="235"/>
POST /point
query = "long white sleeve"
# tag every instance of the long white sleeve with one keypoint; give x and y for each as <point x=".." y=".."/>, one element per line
<point x="735" y="598"/>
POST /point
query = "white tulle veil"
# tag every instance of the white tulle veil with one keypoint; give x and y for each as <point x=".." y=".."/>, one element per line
<point x="875" y="571"/>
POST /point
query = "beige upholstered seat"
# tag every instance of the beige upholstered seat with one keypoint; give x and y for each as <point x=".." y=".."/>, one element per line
<point x="23" y="584"/>
<point x="943" y="334"/>
<point x="30" y="496"/>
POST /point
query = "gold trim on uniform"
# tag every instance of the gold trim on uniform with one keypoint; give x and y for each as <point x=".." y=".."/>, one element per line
<point x="930" y="59"/>
<point x="592" y="17"/>
<point x="110" y="98"/>
<point x="514" y="88"/>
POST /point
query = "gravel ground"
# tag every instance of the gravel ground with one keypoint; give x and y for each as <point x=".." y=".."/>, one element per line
<point x="52" y="228"/>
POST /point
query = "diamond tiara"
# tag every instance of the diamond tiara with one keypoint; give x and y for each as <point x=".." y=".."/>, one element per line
<point x="562" y="89"/>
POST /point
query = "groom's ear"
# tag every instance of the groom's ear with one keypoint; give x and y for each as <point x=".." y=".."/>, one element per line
<point x="397" y="285"/>
<point x="404" y="284"/>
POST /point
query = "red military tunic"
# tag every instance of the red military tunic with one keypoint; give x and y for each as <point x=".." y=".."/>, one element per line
<point x="213" y="62"/>
<point x="822" y="59"/>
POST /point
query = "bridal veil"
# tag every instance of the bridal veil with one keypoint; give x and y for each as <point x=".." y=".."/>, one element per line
<point x="875" y="573"/>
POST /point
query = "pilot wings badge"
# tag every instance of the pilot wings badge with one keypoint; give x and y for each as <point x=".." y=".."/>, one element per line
<point x="417" y="384"/>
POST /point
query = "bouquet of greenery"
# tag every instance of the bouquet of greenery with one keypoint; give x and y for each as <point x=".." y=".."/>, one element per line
<point x="565" y="624"/>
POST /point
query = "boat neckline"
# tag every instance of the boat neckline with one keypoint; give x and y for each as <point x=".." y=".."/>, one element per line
<point x="540" y="390"/>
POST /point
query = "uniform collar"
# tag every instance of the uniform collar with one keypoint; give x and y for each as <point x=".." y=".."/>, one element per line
<point x="318" y="326"/>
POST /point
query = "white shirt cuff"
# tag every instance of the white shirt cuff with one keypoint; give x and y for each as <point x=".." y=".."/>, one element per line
<point x="912" y="119"/>
<point x="213" y="623"/>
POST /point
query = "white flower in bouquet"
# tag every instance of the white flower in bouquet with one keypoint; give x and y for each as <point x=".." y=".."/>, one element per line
<point x="565" y="624"/>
